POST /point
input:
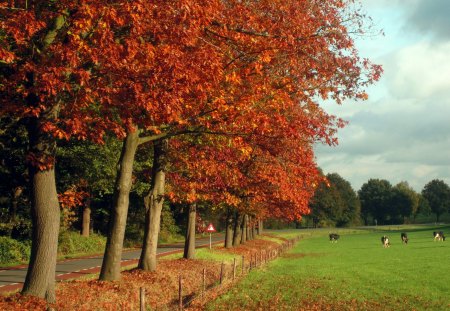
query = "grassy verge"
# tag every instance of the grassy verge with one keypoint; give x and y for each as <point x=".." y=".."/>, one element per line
<point x="213" y="254"/>
<point x="161" y="286"/>
<point x="354" y="274"/>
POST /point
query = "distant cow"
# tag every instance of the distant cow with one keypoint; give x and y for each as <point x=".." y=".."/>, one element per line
<point x="334" y="237"/>
<point x="404" y="238"/>
<point x="385" y="241"/>
<point x="439" y="236"/>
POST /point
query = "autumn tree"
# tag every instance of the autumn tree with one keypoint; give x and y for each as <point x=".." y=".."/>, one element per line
<point x="36" y="83"/>
<point x="259" y="86"/>
<point x="86" y="69"/>
<point x="60" y="70"/>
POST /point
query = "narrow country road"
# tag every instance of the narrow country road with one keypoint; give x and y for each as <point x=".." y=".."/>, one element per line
<point x="12" y="278"/>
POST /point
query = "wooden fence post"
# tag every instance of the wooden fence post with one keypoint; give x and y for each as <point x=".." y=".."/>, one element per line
<point x="142" y="299"/>
<point x="234" y="268"/>
<point x="180" y="294"/>
<point x="221" y="273"/>
<point x="243" y="264"/>
<point x="204" y="283"/>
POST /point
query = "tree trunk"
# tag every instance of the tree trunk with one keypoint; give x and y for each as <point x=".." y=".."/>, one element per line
<point x="45" y="213"/>
<point x="86" y="218"/>
<point x="253" y="229"/>
<point x="229" y="230"/>
<point x="260" y="226"/>
<point x="17" y="192"/>
<point x="237" y="230"/>
<point x="153" y="206"/>
<point x="249" y="228"/>
<point x="110" y="270"/>
<point x="244" y="229"/>
<point x="189" y="244"/>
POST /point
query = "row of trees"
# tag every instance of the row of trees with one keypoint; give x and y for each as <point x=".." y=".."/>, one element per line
<point x="335" y="203"/>
<point x="219" y="96"/>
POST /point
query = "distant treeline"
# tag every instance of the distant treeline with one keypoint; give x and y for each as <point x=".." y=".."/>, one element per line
<point x="335" y="203"/>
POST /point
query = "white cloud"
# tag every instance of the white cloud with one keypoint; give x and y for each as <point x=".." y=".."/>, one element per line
<point x="419" y="71"/>
<point x="403" y="132"/>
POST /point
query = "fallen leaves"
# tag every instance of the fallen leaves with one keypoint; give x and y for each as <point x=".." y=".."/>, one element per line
<point x="161" y="287"/>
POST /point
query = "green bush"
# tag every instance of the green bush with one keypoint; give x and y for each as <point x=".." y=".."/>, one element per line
<point x="18" y="230"/>
<point x="169" y="231"/>
<point x="13" y="251"/>
<point x="134" y="234"/>
<point x="71" y="243"/>
<point x="6" y="228"/>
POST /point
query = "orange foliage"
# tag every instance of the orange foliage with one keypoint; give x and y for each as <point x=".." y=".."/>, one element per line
<point x="69" y="200"/>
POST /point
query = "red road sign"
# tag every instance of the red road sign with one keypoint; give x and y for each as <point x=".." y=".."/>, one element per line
<point x="210" y="228"/>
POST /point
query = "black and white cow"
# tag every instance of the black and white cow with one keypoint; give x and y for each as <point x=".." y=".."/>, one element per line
<point x="385" y="241"/>
<point x="438" y="236"/>
<point x="404" y="238"/>
<point x="334" y="237"/>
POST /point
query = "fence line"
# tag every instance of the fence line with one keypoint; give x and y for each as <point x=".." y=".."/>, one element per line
<point x="269" y="255"/>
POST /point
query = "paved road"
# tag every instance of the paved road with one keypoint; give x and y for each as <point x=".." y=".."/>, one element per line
<point x="12" y="278"/>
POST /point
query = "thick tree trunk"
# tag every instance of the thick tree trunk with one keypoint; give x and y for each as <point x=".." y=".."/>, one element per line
<point x="189" y="244"/>
<point x="86" y="218"/>
<point x="260" y="226"/>
<point x="45" y="214"/>
<point x="229" y="230"/>
<point x="110" y="270"/>
<point x="244" y="229"/>
<point x="153" y="205"/>
<point x="237" y="230"/>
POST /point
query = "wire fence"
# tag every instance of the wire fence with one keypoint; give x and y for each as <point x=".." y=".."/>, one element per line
<point x="229" y="273"/>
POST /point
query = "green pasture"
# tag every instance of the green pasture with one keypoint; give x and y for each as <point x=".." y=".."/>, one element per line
<point x="356" y="273"/>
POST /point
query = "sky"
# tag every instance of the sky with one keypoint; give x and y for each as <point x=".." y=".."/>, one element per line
<point x="402" y="132"/>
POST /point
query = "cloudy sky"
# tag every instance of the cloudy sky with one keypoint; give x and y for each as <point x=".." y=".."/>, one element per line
<point x="402" y="133"/>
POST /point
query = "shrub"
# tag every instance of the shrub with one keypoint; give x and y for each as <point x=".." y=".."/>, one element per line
<point x="22" y="231"/>
<point x="71" y="242"/>
<point x="13" y="251"/>
<point x="169" y="231"/>
<point x="134" y="234"/>
<point x="18" y="230"/>
<point x="6" y="228"/>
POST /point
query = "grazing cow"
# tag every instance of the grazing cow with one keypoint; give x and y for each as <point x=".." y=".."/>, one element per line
<point x="385" y="241"/>
<point x="334" y="237"/>
<point x="438" y="236"/>
<point x="404" y="238"/>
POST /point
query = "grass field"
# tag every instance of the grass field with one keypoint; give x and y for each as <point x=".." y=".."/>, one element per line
<point x="356" y="273"/>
